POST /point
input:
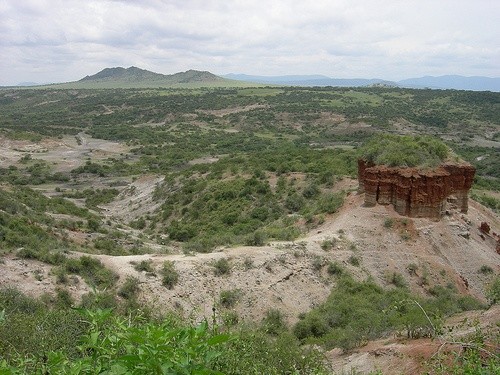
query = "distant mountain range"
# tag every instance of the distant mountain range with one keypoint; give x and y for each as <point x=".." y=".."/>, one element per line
<point x="309" y="80"/>
<point x="454" y="82"/>
<point x="134" y="77"/>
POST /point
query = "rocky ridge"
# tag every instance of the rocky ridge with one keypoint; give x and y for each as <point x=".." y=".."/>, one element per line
<point x="417" y="192"/>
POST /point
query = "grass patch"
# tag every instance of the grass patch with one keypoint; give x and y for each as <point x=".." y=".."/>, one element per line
<point x="92" y="270"/>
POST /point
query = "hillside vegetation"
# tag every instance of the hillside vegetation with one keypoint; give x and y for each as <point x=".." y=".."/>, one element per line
<point x="405" y="151"/>
<point x="88" y="176"/>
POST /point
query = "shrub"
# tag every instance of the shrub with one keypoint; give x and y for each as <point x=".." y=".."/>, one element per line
<point x="257" y="238"/>
<point x="97" y="300"/>
<point x="412" y="269"/>
<point x="493" y="291"/>
<point x="485" y="270"/>
<point x="129" y="288"/>
<point x="222" y="267"/>
<point x="251" y="352"/>
<point x="318" y="263"/>
<point x="92" y="270"/>
<point x="274" y="322"/>
<point x="359" y="311"/>
<point x="396" y="279"/>
<point x="389" y="223"/>
<point x="405" y="236"/>
<point x="63" y="298"/>
<point x="31" y="329"/>
<point x="335" y="268"/>
<point x="354" y="260"/>
<point x="328" y="244"/>
<point x="170" y="276"/>
<point x="144" y="265"/>
<point x="248" y="263"/>
<point x="229" y="298"/>
<point x="405" y="151"/>
<point x="329" y="203"/>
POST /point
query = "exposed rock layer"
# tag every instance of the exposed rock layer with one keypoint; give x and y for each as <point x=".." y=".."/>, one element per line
<point x="417" y="192"/>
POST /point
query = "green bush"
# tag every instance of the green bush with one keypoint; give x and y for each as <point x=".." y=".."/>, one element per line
<point x="31" y="328"/>
<point x="258" y="238"/>
<point x="92" y="270"/>
<point x="274" y="322"/>
<point x="396" y="279"/>
<point x="170" y="276"/>
<point x="130" y="288"/>
<point x="493" y="291"/>
<point x="144" y="265"/>
<point x="229" y="298"/>
<point x="254" y="352"/>
<point x="97" y="300"/>
<point x="405" y="151"/>
<point x="334" y="268"/>
<point x="354" y="260"/>
<point x="485" y="270"/>
<point x="222" y="267"/>
<point x="359" y="311"/>
<point x="328" y="244"/>
<point x="388" y="223"/>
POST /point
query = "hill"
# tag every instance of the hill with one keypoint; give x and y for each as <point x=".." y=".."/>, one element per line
<point x="133" y="77"/>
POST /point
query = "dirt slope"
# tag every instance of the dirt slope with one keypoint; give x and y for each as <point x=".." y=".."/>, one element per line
<point x="292" y="276"/>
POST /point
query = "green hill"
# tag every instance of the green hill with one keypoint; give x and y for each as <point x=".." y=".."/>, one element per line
<point x="134" y="77"/>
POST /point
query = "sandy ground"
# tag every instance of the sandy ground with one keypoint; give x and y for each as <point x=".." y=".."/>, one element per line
<point x="64" y="154"/>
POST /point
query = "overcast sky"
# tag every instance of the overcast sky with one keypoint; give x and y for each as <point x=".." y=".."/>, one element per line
<point x="64" y="40"/>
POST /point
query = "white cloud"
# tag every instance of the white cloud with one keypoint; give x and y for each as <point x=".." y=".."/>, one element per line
<point x="57" y="40"/>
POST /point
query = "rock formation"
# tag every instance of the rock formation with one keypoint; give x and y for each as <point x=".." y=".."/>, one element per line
<point x="417" y="192"/>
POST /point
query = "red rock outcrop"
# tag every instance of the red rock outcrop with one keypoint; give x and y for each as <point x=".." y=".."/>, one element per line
<point x="417" y="192"/>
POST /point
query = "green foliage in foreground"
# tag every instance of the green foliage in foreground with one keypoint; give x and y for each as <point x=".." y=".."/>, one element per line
<point x="479" y="354"/>
<point x="39" y="340"/>
<point x="405" y="151"/>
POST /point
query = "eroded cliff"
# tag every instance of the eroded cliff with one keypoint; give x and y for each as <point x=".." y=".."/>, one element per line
<point x="417" y="192"/>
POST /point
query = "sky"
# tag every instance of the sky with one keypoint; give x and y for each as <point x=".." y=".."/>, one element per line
<point x="48" y="41"/>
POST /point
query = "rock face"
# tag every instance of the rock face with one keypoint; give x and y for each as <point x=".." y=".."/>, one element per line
<point x="417" y="192"/>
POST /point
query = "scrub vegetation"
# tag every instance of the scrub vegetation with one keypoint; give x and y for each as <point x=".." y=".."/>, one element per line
<point x="231" y="166"/>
